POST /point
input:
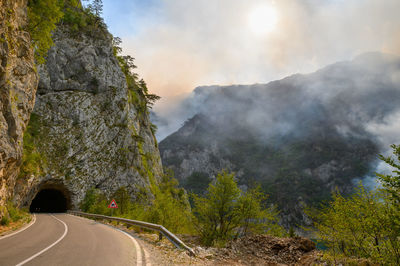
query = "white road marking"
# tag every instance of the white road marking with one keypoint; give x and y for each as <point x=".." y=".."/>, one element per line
<point x="49" y="247"/>
<point x="23" y="229"/>
<point x="139" y="261"/>
<point x="147" y="257"/>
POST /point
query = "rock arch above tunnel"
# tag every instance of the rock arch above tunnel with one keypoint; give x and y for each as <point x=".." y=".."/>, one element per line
<point x="51" y="198"/>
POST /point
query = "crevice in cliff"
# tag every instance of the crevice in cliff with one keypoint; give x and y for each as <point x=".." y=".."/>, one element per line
<point x="41" y="93"/>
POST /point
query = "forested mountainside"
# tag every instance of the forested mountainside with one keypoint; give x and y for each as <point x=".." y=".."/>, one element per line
<point x="300" y="137"/>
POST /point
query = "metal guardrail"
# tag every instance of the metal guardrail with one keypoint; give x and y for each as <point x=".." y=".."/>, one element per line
<point x="155" y="227"/>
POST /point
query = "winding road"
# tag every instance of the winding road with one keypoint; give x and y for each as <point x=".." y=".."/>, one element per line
<point x="63" y="239"/>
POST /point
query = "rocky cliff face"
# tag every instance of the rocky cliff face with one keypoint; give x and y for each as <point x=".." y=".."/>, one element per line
<point x="18" y="83"/>
<point x="299" y="137"/>
<point x="92" y="132"/>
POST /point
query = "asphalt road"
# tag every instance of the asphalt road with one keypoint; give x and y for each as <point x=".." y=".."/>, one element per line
<point x="62" y="239"/>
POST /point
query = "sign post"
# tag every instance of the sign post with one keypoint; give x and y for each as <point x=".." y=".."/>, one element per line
<point x="113" y="205"/>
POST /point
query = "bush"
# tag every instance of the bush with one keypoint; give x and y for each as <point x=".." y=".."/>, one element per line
<point x="360" y="226"/>
<point x="43" y="16"/>
<point x="5" y="221"/>
<point x="167" y="206"/>
<point x="366" y="224"/>
<point x="227" y="212"/>
<point x="32" y="160"/>
<point x="15" y="213"/>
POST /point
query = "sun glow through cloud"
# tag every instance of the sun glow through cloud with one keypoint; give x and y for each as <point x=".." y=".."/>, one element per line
<point x="263" y="19"/>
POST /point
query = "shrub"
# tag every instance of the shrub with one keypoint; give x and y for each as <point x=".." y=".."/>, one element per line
<point x="5" y="221"/>
<point x="226" y="212"/>
<point x="360" y="226"/>
<point x="43" y="16"/>
<point x="366" y="224"/>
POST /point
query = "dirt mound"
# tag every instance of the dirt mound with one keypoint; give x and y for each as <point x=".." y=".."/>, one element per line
<point x="264" y="249"/>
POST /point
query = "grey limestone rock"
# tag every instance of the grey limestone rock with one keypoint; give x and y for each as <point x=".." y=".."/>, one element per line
<point x="92" y="134"/>
<point x="18" y="83"/>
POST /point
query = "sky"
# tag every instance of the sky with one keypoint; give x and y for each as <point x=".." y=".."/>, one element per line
<point x="181" y="44"/>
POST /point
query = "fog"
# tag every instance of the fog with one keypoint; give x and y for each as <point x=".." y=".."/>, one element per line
<point x="358" y="100"/>
<point x="182" y="44"/>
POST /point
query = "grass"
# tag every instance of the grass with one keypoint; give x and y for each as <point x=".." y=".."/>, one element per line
<point x="14" y="219"/>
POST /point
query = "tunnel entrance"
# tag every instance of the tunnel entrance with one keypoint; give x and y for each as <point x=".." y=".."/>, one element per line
<point x="49" y="200"/>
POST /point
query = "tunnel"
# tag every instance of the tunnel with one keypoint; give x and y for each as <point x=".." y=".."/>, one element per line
<point x="50" y="199"/>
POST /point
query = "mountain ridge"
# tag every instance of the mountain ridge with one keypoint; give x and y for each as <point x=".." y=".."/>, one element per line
<point x="310" y="132"/>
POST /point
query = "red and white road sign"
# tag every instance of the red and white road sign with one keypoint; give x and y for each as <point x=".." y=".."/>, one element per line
<point x="113" y="205"/>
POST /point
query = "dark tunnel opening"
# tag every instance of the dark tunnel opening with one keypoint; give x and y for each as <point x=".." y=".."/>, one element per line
<point x="49" y="200"/>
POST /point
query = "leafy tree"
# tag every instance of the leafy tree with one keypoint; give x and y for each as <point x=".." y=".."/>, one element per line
<point x="123" y="200"/>
<point x="197" y="182"/>
<point x="170" y="206"/>
<point x="217" y="214"/>
<point x="359" y="226"/>
<point x="43" y="16"/>
<point x="97" y="7"/>
<point x="256" y="219"/>
<point x="138" y="88"/>
<point x="95" y="202"/>
<point x="366" y="224"/>
<point x="89" y="200"/>
<point x="392" y="182"/>
<point x="226" y="212"/>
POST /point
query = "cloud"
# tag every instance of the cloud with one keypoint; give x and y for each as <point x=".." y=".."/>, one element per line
<point x="181" y="44"/>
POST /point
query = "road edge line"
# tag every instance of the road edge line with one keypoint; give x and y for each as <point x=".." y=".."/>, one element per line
<point x="22" y="229"/>
<point x="139" y="260"/>
<point x="49" y="247"/>
<point x="146" y="256"/>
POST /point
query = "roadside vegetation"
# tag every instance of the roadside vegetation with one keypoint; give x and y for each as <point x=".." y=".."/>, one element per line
<point x="224" y="213"/>
<point x="365" y="225"/>
<point x="14" y="218"/>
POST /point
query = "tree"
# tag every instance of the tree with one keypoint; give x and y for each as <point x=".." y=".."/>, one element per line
<point x="226" y="212"/>
<point x="359" y="226"/>
<point x="391" y="183"/>
<point x="254" y="218"/>
<point x="218" y="213"/>
<point x="167" y="206"/>
<point x="97" y="6"/>
<point x="43" y="16"/>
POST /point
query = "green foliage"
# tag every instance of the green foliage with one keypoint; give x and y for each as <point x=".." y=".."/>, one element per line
<point x="360" y="226"/>
<point x="391" y="183"/>
<point x="14" y="214"/>
<point x="17" y="214"/>
<point x="169" y="206"/>
<point x="366" y="224"/>
<point x="197" y="183"/>
<point x="32" y="160"/>
<point x="87" y="20"/>
<point x="226" y="212"/>
<point x="254" y="218"/>
<point x="138" y="91"/>
<point x="43" y="16"/>
<point x="5" y="221"/>
<point x="95" y="202"/>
